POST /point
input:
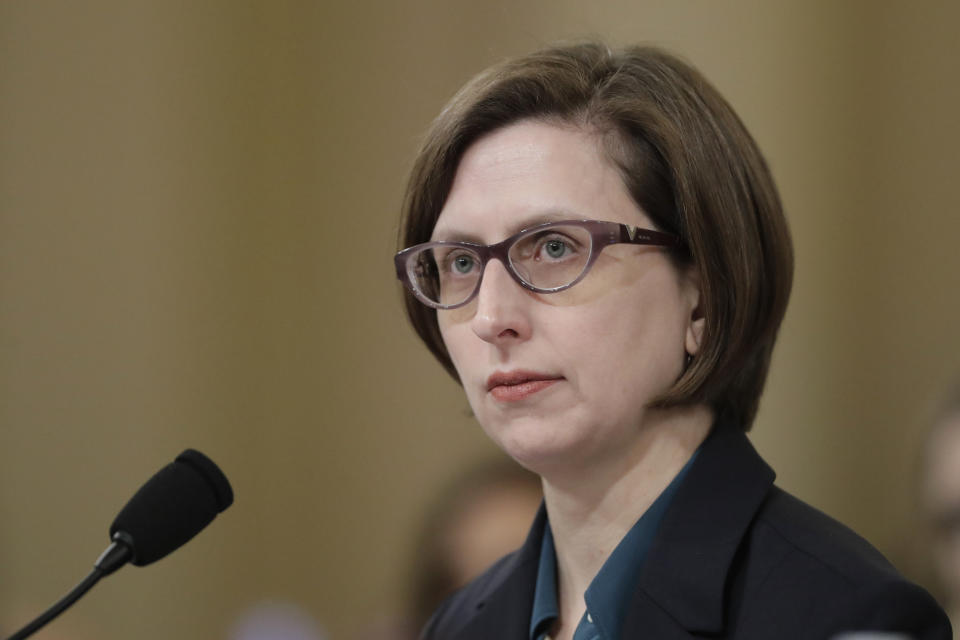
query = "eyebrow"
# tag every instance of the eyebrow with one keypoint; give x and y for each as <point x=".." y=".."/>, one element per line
<point x="524" y="222"/>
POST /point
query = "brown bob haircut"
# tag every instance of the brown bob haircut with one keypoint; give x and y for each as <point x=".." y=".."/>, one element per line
<point x="688" y="162"/>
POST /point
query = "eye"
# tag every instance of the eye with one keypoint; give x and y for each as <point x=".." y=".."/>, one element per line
<point x="557" y="244"/>
<point x="555" y="248"/>
<point x="461" y="263"/>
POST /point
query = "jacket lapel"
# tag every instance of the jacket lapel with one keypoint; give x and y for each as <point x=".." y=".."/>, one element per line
<point x="681" y="588"/>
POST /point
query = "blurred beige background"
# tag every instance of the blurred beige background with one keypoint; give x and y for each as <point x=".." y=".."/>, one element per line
<point x="198" y="206"/>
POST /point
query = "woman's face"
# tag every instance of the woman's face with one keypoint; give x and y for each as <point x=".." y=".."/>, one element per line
<point x="565" y="378"/>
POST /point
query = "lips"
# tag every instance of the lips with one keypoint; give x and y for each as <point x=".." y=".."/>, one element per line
<point x="512" y="386"/>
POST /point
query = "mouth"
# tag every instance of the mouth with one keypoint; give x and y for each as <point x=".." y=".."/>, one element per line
<point x="512" y="386"/>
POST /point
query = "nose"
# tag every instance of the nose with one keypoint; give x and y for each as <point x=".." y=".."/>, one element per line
<point x="501" y="316"/>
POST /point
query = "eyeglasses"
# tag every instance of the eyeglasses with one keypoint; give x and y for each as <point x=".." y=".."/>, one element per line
<point x="546" y="258"/>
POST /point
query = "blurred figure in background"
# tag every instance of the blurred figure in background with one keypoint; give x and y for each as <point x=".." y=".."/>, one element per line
<point x="479" y="517"/>
<point x="941" y="499"/>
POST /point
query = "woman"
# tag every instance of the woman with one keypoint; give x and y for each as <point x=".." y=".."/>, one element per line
<point x="596" y="250"/>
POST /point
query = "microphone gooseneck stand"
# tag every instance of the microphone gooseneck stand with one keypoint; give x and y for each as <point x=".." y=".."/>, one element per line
<point x="115" y="556"/>
<point x="59" y="607"/>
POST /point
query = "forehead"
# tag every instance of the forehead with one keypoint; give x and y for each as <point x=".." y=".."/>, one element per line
<point x="531" y="172"/>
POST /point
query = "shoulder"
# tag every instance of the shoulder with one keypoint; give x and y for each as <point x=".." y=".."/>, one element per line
<point x="819" y="541"/>
<point x="801" y="566"/>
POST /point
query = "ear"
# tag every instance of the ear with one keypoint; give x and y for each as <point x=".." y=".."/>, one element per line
<point x="696" y="322"/>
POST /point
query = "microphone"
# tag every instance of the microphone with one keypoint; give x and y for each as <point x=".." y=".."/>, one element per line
<point x="172" y="507"/>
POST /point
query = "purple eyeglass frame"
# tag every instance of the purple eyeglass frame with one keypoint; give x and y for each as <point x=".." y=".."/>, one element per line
<point x="601" y="234"/>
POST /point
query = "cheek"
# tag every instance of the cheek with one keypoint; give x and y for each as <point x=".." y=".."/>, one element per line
<point x="633" y="349"/>
<point x="456" y="351"/>
<point x="451" y="332"/>
<point x="466" y="353"/>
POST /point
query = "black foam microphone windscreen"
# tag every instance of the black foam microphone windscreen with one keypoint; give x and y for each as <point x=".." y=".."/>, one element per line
<point x="172" y="507"/>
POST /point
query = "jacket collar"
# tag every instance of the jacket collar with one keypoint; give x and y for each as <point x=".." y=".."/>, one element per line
<point x="682" y="583"/>
<point x="686" y="571"/>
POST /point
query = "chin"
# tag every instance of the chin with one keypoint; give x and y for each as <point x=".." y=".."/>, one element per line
<point x="538" y="446"/>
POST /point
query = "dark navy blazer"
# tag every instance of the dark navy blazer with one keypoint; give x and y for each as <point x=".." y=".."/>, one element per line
<point x="735" y="557"/>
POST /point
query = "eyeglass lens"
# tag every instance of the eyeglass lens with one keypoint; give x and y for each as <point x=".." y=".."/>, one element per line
<point x="545" y="259"/>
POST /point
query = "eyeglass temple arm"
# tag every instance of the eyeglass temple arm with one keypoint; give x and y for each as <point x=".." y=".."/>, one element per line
<point x="639" y="235"/>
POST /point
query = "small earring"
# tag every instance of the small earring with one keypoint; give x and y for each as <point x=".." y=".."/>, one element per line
<point x="689" y="360"/>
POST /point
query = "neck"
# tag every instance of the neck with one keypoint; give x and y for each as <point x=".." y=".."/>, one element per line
<point x="591" y="508"/>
